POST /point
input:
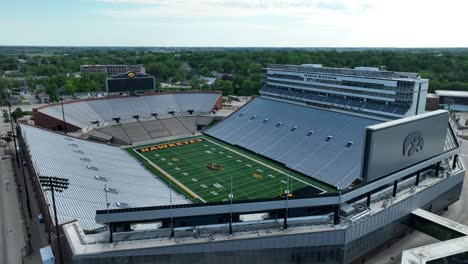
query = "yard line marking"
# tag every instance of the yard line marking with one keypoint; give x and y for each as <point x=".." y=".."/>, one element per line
<point x="266" y="165"/>
<point x="183" y="187"/>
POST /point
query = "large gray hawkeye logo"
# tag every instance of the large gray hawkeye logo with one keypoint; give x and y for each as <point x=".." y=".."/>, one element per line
<point x="413" y="143"/>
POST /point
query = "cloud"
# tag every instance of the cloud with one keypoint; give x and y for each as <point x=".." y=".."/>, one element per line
<point x="228" y="8"/>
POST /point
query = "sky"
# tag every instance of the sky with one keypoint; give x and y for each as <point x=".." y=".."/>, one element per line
<point x="235" y="23"/>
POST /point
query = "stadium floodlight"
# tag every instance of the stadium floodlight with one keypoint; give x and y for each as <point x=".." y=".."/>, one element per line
<point x="12" y="129"/>
<point x="63" y="117"/>
<point x="286" y="192"/>
<point x="107" y="209"/>
<point x="55" y="184"/>
<point x="170" y="201"/>
<point x="231" y="196"/>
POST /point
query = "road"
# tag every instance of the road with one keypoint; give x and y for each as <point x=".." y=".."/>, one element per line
<point x="457" y="212"/>
<point x="11" y="230"/>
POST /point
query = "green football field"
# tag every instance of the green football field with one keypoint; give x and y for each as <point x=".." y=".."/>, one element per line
<point x="202" y="167"/>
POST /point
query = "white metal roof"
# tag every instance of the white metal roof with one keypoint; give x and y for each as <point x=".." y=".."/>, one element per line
<point x="128" y="181"/>
<point x="451" y="93"/>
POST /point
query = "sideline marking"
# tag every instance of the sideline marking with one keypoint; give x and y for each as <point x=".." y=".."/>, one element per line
<point x="266" y="165"/>
<point x="167" y="175"/>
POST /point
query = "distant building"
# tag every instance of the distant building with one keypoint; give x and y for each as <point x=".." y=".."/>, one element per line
<point x="453" y="100"/>
<point x="363" y="91"/>
<point x="208" y="80"/>
<point x="224" y="76"/>
<point x="112" y="69"/>
<point x="43" y="98"/>
<point x="432" y="102"/>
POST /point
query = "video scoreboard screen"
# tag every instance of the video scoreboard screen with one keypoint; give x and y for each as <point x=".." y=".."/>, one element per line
<point x="130" y="82"/>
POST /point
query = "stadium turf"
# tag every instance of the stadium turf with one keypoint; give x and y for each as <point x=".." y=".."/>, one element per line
<point x="201" y="168"/>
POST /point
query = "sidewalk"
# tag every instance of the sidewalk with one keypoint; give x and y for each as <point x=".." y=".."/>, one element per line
<point x="18" y="212"/>
<point x="39" y="236"/>
<point x="11" y="221"/>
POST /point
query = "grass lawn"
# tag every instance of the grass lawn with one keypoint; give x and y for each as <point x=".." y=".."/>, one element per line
<point x="201" y="168"/>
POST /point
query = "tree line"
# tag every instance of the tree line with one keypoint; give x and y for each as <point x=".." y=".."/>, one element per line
<point x="446" y="69"/>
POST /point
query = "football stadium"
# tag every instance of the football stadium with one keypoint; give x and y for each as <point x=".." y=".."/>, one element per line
<point x="176" y="178"/>
<point x="203" y="168"/>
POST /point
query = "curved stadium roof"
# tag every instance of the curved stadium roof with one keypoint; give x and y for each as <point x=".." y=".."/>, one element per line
<point x="89" y="167"/>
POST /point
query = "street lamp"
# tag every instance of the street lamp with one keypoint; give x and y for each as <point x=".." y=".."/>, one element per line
<point x="55" y="184"/>
<point x="12" y="129"/>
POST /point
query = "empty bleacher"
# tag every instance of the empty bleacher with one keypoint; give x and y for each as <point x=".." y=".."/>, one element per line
<point x="136" y="132"/>
<point x="89" y="167"/>
<point x="155" y="128"/>
<point x="103" y="110"/>
<point x="362" y="106"/>
<point x="174" y="127"/>
<point x="309" y="140"/>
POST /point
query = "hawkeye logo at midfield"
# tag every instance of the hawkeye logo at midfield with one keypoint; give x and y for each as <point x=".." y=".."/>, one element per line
<point x="170" y="145"/>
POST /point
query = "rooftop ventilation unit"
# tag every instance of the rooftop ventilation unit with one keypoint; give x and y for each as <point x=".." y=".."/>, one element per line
<point x="328" y="138"/>
<point x="279" y="124"/>
<point x="190" y="112"/>
<point x="78" y="151"/>
<point x="116" y="119"/>
<point x="92" y="168"/>
<point x="241" y="114"/>
<point x="310" y="133"/>
<point x="293" y="128"/>
<point x="121" y="204"/>
<point x="253" y="117"/>
<point x="265" y="120"/>
<point x="85" y="159"/>
<point x="171" y="113"/>
<point x="348" y="145"/>
<point x="100" y="178"/>
<point x="155" y="115"/>
<point x="110" y="190"/>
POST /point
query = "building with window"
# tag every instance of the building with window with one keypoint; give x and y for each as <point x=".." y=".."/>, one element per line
<point x="453" y="100"/>
<point x="363" y="91"/>
<point x="112" y="69"/>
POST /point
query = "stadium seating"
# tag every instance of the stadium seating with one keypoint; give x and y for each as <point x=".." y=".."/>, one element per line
<point x="309" y="140"/>
<point x="372" y="106"/>
<point x="89" y="166"/>
<point x="131" y="133"/>
<point x="84" y="113"/>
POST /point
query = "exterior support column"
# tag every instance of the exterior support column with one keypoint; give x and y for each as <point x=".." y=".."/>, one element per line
<point x="368" y="200"/>
<point x="336" y="218"/>
<point x="455" y="160"/>
<point x="418" y="175"/>
<point x="395" y="187"/>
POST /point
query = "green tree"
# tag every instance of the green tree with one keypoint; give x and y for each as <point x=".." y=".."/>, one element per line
<point x="224" y="86"/>
<point x="69" y="87"/>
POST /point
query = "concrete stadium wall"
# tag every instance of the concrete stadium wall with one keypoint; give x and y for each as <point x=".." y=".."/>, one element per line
<point x="338" y="246"/>
<point x="49" y="122"/>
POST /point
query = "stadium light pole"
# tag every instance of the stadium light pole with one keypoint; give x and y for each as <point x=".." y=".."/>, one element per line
<point x="28" y="203"/>
<point x="63" y="116"/>
<point x="107" y="215"/>
<point x="55" y="184"/>
<point x="172" y="216"/>
<point x="13" y="134"/>
<point x="285" y="223"/>
<point x="231" y="196"/>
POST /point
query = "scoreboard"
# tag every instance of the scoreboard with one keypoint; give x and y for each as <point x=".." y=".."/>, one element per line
<point x="130" y="82"/>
